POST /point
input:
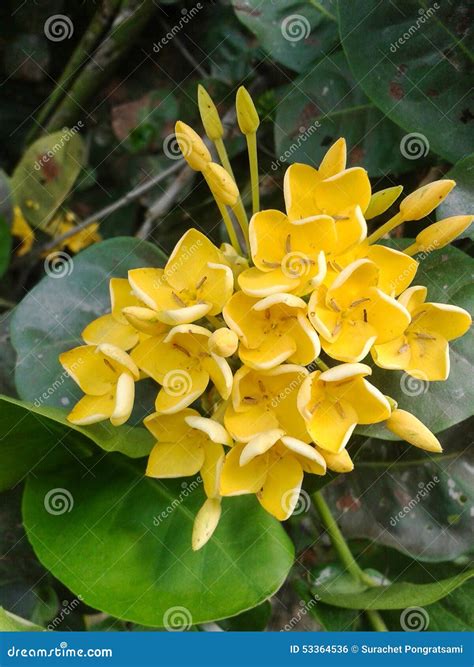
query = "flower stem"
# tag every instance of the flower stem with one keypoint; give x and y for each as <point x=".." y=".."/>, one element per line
<point x="238" y="208"/>
<point x="412" y="250"/>
<point x="253" y="162"/>
<point x="345" y="555"/>
<point x="386" y="228"/>
<point x="320" y="363"/>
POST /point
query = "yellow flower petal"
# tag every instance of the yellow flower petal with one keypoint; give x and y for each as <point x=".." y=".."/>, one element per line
<point x="121" y="296"/>
<point x="348" y="188"/>
<point x="386" y="315"/>
<point x="205" y="523"/>
<point x="334" y="160"/>
<point x="353" y="342"/>
<point x="92" y="409"/>
<point x="124" y="399"/>
<point x="340" y="462"/>
<point x="144" y="320"/>
<point x="22" y="230"/>
<point x="220" y="374"/>
<point x="281" y="489"/>
<point x="212" y="467"/>
<point x="351" y="229"/>
<point x="169" y="428"/>
<point x="393" y="355"/>
<point x="180" y="390"/>
<point x="396" y="270"/>
<point x="118" y="359"/>
<point x="429" y="358"/>
<point x="352" y="284"/>
<point x="448" y="321"/>
<point x="411" y="429"/>
<point x="256" y="283"/>
<point x="243" y="426"/>
<point x="175" y="459"/>
<point x="370" y="404"/>
<point x="237" y="480"/>
<point x="260" y="445"/>
<point x="308" y="456"/>
<point x="89" y="370"/>
<point x="271" y="352"/>
<point x="413" y="297"/>
<point x="299" y="188"/>
<point x="332" y="424"/>
<point x="106" y="329"/>
<point x="210" y="427"/>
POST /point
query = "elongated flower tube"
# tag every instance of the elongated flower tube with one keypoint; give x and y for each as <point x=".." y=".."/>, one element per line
<point x="440" y="234"/>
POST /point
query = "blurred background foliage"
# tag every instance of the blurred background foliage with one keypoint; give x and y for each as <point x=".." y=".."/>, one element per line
<point x="319" y="70"/>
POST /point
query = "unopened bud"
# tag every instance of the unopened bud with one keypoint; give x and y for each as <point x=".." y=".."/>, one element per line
<point x="205" y="522"/>
<point x="424" y="200"/>
<point x="247" y="115"/>
<point x="223" y="342"/>
<point x="441" y="233"/>
<point x="410" y="428"/>
<point x="382" y="200"/>
<point x="209" y="115"/>
<point x="192" y="147"/>
<point x="222" y="185"/>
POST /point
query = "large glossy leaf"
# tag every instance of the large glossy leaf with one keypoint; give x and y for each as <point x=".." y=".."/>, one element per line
<point x="293" y="33"/>
<point x="51" y="317"/>
<point x="46" y="174"/>
<point x="325" y="104"/>
<point x="448" y="275"/>
<point x="404" y="498"/>
<point x="116" y="550"/>
<point x="460" y="201"/>
<point x="414" y="62"/>
<point x="12" y="623"/>
<point x="6" y="206"/>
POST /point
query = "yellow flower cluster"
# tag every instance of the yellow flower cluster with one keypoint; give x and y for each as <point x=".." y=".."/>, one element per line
<point x="240" y="329"/>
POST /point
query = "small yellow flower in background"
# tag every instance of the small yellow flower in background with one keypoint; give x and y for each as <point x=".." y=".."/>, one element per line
<point x="272" y="330"/>
<point x="354" y="314"/>
<point x="272" y="466"/>
<point x="195" y="282"/>
<point x="423" y="348"/>
<point x="22" y="230"/>
<point x="410" y="428"/>
<point x="189" y="444"/>
<point x="107" y="375"/>
<point x="333" y="402"/>
<point x="265" y="400"/>
<point x="181" y="362"/>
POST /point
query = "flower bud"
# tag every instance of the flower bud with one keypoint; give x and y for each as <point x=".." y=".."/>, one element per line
<point x="341" y="462"/>
<point x="424" y="200"/>
<point x="382" y="200"/>
<point x="192" y="147"/>
<point x="441" y="233"/>
<point x="209" y="115"/>
<point x="247" y="115"/>
<point x="410" y="428"/>
<point x="222" y="185"/>
<point x="223" y="342"/>
<point x="206" y="522"/>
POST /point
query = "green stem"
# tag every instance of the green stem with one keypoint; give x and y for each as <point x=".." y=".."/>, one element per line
<point x="323" y="10"/>
<point x="253" y="162"/>
<point x="238" y="208"/>
<point x="320" y="363"/>
<point x="345" y="555"/>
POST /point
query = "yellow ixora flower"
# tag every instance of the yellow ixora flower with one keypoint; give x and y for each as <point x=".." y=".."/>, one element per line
<point x="353" y="313"/>
<point x="196" y="281"/>
<point x="272" y="330"/>
<point x="188" y="444"/>
<point x="422" y="350"/>
<point x="266" y="400"/>
<point x="183" y="364"/>
<point x="107" y="375"/>
<point x="272" y="466"/>
<point x="333" y="402"/>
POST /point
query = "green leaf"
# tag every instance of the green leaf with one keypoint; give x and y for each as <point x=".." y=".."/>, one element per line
<point x="12" y="623"/>
<point x="395" y="596"/>
<point x="324" y="104"/>
<point x="293" y="33"/>
<point x="45" y="175"/>
<point x="448" y="275"/>
<point x="5" y="245"/>
<point x="250" y="621"/>
<point x="136" y="533"/>
<point x="415" y="64"/>
<point x="418" y="503"/>
<point x="51" y="317"/>
<point x="460" y="201"/>
<point x="6" y="206"/>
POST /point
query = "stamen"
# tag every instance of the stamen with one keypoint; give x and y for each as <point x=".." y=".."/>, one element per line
<point x="271" y="265"/>
<point x="357" y="302"/>
<point x="339" y="410"/>
<point x="365" y="315"/>
<point x="424" y="336"/>
<point x="182" y="349"/>
<point x="201" y="282"/>
<point x="404" y="348"/>
<point x="334" y="305"/>
<point x="288" y="244"/>
<point x="178" y="299"/>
